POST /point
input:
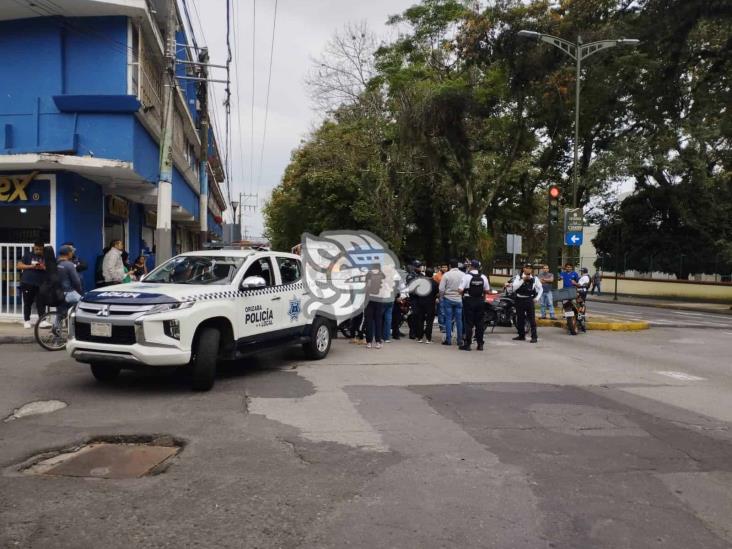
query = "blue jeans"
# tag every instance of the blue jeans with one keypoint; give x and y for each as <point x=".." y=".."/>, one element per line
<point x="441" y="313"/>
<point x="453" y="310"/>
<point x="388" y="310"/>
<point x="62" y="309"/>
<point x="546" y="303"/>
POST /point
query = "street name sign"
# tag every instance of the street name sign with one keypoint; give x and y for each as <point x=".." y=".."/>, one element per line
<point x="574" y="225"/>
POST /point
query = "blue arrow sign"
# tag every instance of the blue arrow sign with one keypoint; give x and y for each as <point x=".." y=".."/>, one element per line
<point x="573" y="239"/>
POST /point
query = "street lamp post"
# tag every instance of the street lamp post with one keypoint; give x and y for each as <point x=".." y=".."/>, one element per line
<point x="579" y="52"/>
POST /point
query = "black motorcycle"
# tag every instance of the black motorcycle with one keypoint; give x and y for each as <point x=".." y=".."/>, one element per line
<point x="501" y="311"/>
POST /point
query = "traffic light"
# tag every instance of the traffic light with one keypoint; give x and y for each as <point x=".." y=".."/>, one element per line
<point x="554" y="194"/>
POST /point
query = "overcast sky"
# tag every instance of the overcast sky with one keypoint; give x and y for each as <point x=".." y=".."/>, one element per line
<point x="303" y="28"/>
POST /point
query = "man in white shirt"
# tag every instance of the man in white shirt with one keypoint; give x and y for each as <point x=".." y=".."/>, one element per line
<point x="452" y="302"/>
<point x="473" y="288"/>
<point x="527" y="291"/>
<point x="584" y="280"/>
<point x="113" y="268"/>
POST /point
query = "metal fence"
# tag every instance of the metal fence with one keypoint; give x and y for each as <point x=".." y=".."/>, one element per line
<point x="11" y="299"/>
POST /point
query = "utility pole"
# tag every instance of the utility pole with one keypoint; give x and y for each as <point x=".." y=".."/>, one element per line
<point x="578" y="52"/>
<point x="163" y="230"/>
<point x="203" y="136"/>
<point x="249" y="207"/>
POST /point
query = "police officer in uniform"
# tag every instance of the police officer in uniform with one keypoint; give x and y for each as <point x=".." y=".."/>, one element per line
<point x="527" y="290"/>
<point x="473" y="288"/>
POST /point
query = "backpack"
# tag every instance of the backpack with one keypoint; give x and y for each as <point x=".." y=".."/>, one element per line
<point x="51" y="292"/>
<point x="98" y="270"/>
<point x="475" y="288"/>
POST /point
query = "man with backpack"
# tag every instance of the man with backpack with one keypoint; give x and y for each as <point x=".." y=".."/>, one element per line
<point x="473" y="288"/>
<point x="69" y="281"/>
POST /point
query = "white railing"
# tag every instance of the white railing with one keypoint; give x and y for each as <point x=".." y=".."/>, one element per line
<point x="11" y="299"/>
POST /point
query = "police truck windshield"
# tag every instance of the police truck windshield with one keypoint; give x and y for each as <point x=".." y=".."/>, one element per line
<point x="191" y="269"/>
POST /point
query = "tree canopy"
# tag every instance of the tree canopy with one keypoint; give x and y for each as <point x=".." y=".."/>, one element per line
<point x="461" y="125"/>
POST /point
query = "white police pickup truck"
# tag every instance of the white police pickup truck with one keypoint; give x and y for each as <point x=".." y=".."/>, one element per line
<point x="194" y="310"/>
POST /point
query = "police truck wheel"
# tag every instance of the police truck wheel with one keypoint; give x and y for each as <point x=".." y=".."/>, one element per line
<point x="203" y="361"/>
<point x="320" y="340"/>
<point x="104" y="372"/>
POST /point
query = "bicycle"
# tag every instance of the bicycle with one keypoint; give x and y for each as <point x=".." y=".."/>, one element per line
<point x="52" y="332"/>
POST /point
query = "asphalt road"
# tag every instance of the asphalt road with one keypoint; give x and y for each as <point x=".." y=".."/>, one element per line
<point x="662" y="317"/>
<point x="608" y="440"/>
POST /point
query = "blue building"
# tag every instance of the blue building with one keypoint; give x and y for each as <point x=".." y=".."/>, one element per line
<point x="81" y="114"/>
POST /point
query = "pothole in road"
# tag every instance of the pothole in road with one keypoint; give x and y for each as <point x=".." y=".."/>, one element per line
<point x="35" y="408"/>
<point x="108" y="457"/>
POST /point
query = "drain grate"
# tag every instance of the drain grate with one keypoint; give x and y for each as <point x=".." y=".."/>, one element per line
<point x="110" y="460"/>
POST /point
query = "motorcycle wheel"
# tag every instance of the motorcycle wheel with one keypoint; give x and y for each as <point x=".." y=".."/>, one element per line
<point x="571" y="326"/>
<point x="490" y="319"/>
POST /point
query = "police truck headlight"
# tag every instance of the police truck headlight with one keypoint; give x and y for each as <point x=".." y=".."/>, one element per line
<point x="166" y="307"/>
<point x="172" y="328"/>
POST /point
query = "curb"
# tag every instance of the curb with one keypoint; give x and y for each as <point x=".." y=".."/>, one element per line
<point x="607" y="326"/>
<point x="679" y="307"/>
<point x="16" y="339"/>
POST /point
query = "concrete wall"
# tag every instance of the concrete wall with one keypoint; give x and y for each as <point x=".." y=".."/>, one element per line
<point x="79" y="218"/>
<point x="48" y="56"/>
<point x="703" y="291"/>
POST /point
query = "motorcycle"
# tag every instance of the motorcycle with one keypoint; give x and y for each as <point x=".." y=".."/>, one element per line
<point x="500" y="310"/>
<point x="574" y="313"/>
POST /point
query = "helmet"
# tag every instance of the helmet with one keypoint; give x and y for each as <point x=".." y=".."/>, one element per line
<point x="584" y="270"/>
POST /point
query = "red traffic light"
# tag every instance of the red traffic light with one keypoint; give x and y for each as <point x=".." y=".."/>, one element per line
<point x="554" y="191"/>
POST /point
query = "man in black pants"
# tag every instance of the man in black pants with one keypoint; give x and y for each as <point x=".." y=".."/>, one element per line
<point x="32" y="267"/>
<point x="527" y="289"/>
<point x="473" y="289"/>
<point x="424" y="305"/>
<point x="374" y="312"/>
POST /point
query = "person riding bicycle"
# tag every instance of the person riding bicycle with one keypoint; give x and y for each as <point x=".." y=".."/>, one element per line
<point x="70" y="281"/>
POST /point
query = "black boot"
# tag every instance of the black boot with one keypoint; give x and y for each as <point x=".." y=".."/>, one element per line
<point x="519" y="338"/>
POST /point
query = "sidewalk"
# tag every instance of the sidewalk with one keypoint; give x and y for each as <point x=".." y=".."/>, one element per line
<point x="669" y="303"/>
<point x="13" y="332"/>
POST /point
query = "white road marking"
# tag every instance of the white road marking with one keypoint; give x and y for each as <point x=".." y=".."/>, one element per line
<point x="687" y="313"/>
<point x="681" y="376"/>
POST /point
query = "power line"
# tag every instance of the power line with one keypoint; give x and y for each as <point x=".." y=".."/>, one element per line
<point x="190" y="25"/>
<point x="251" y="133"/>
<point x="227" y="101"/>
<point x="237" y="80"/>
<point x="266" y="103"/>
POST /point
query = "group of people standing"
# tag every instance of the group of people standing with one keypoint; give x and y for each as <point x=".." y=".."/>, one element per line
<point x="455" y="294"/>
<point x="115" y="267"/>
<point x="48" y="280"/>
<point x="570" y="278"/>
